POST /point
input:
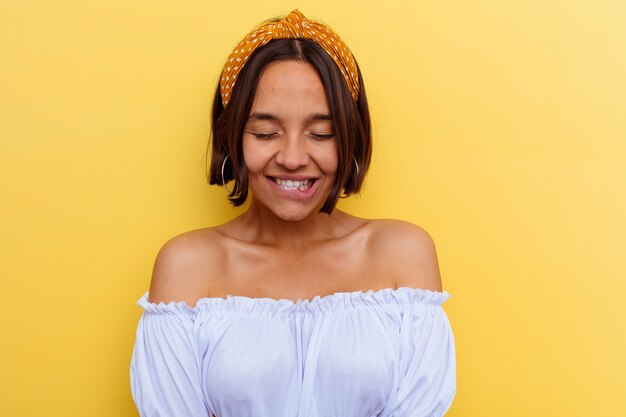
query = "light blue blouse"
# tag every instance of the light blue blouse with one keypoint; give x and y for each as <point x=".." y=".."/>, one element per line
<point x="386" y="353"/>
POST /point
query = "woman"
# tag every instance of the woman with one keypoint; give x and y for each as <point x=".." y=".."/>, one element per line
<point x="330" y="314"/>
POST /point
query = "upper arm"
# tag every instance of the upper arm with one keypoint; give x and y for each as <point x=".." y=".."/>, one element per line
<point x="411" y="253"/>
<point x="182" y="269"/>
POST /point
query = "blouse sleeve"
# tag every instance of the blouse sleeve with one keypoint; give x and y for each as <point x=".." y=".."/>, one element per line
<point x="165" y="369"/>
<point x="427" y="363"/>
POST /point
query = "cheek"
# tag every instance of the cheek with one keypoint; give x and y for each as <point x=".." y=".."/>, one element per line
<point x="329" y="160"/>
<point x="254" y="157"/>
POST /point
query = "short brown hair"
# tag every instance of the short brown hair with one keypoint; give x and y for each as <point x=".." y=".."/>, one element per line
<point x="351" y="120"/>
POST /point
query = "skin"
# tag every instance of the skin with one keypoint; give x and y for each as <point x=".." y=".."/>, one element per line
<point x="282" y="247"/>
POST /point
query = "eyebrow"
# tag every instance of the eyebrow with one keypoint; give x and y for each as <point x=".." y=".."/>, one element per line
<point x="262" y="116"/>
<point x="269" y="116"/>
<point x="320" y="116"/>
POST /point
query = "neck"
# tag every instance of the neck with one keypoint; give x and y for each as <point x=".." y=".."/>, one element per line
<point x="262" y="226"/>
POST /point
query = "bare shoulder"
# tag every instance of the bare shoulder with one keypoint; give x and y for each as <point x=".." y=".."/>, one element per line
<point x="406" y="251"/>
<point x="185" y="265"/>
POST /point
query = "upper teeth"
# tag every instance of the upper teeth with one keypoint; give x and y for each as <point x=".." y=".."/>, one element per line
<point x="301" y="185"/>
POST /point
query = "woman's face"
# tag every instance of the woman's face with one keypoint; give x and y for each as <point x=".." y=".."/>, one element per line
<point x="289" y="143"/>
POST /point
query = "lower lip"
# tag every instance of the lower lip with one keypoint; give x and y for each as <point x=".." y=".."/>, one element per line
<point x="295" y="193"/>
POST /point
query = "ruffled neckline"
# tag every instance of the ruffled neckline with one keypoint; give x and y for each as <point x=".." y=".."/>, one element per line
<point x="319" y="304"/>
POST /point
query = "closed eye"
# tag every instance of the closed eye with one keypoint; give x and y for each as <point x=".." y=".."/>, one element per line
<point x="322" y="136"/>
<point x="260" y="135"/>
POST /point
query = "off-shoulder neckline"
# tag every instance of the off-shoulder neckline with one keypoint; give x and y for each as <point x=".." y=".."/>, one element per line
<point x="318" y="303"/>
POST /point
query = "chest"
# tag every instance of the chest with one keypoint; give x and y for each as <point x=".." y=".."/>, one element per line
<point x="300" y="274"/>
<point x="340" y="365"/>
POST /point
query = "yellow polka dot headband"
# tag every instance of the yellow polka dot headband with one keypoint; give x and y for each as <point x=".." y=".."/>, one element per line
<point x="294" y="25"/>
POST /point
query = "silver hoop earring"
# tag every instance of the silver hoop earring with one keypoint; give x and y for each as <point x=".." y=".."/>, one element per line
<point x="224" y="182"/>
<point x="356" y="165"/>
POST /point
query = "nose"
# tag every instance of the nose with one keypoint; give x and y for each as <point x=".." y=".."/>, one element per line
<point x="293" y="152"/>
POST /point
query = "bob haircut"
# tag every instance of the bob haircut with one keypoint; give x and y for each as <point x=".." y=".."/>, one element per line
<point x="351" y="120"/>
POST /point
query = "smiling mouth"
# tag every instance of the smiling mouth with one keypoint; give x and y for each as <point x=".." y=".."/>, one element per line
<point x="301" y="185"/>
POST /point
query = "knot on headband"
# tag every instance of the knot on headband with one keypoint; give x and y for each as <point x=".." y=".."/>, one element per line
<point x="294" y="25"/>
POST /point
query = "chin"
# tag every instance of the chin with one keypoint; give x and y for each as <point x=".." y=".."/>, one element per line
<point x="294" y="215"/>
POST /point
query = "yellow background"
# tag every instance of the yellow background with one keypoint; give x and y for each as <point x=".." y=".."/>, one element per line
<point x="500" y="127"/>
